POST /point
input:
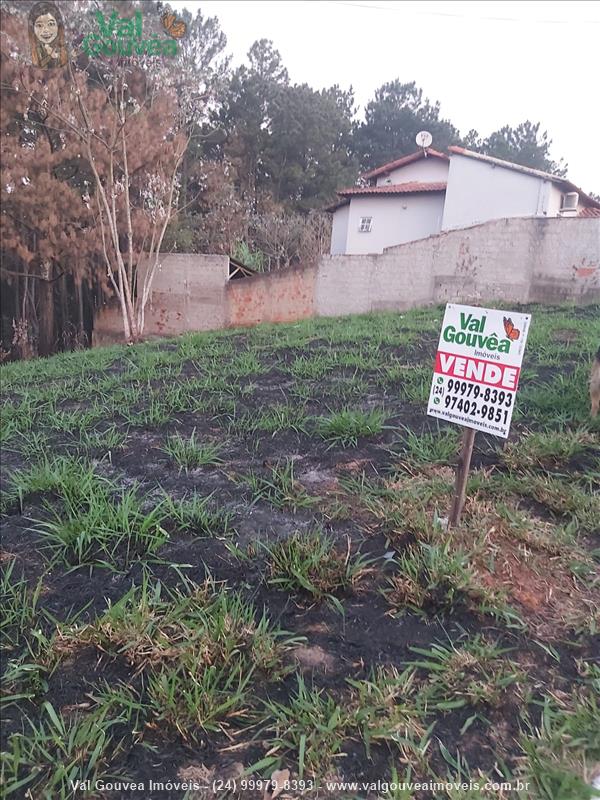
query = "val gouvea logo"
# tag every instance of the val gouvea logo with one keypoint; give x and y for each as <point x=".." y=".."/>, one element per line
<point x="122" y="37"/>
<point x="472" y="333"/>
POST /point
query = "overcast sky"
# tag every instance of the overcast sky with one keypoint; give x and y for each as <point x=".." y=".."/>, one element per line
<point x="488" y="63"/>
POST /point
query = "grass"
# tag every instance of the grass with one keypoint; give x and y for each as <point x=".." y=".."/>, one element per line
<point x="65" y="476"/>
<point x="439" y="447"/>
<point x="433" y="578"/>
<point x="190" y="454"/>
<point x="345" y="427"/>
<point x="386" y="708"/>
<point x="563" y="746"/>
<point x="567" y="500"/>
<point x="279" y="487"/>
<point x="311" y="729"/>
<point x="95" y="527"/>
<point x="152" y="627"/>
<point x="50" y="754"/>
<point x="19" y="607"/>
<point x="279" y="417"/>
<point x="473" y="674"/>
<point x="193" y="700"/>
<point x="311" y="563"/>
<point x="198" y="516"/>
<point x="550" y="449"/>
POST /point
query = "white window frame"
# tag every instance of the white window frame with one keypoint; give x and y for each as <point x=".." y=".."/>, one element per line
<point x="365" y="225"/>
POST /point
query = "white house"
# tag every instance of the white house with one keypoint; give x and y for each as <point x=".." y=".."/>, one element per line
<point x="428" y="192"/>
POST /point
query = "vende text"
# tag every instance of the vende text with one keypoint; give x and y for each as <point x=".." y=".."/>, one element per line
<point x="477" y="370"/>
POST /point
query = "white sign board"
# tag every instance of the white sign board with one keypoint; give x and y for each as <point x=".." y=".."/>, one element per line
<point x="477" y="367"/>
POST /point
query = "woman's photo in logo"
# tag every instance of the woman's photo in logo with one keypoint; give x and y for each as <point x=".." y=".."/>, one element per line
<point x="47" y="36"/>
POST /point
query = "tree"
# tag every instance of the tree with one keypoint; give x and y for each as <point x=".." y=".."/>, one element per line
<point x="245" y="116"/>
<point x="393" y="119"/>
<point x="524" y="145"/>
<point x="48" y="234"/>
<point x="286" y="239"/>
<point x="308" y="154"/>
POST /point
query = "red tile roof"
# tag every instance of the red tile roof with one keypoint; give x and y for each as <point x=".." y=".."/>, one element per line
<point x="412" y="187"/>
<point x="401" y="162"/>
<point x="537" y="173"/>
<point x="589" y="212"/>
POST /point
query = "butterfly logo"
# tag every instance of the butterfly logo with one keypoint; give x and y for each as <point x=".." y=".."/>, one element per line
<point x="176" y="28"/>
<point x="511" y="332"/>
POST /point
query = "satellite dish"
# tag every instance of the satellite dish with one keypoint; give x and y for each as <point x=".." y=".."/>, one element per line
<point x="423" y="139"/>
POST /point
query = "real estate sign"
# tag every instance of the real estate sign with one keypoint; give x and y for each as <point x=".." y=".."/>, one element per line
<point x="477" y="367"/>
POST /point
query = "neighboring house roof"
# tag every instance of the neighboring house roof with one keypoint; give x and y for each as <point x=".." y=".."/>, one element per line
<point x="402" y="162"/>
<point x="537" y="173"/>
<point x="412" y="187"/>
<point x="588" y="211"/>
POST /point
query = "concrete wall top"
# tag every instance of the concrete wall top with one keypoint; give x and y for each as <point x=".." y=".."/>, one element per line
<point x="179" y="272"/>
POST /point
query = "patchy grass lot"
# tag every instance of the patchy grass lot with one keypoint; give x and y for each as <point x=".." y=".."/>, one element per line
<point x="222" y="556"/>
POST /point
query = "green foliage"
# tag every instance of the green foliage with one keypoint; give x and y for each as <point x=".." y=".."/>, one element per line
<point x="249" y="258"/>
<point x="561" y="745"/>
<point x="197" y="516"/>
<point x="525" y="144"/>
<point x="311" y="563"/>
<point x="279" y="488"/>
<point x="311" y="728"/>
<point x="474" y="673"/>
<point x="51" y="753"/>
<point x="189" y="454"/>
<point x="392" y="120"/>
<point x="345" y="427"/>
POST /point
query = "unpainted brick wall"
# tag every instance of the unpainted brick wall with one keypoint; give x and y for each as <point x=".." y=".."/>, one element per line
<point x="282" y="296"/>
<point x="513" y="260"/>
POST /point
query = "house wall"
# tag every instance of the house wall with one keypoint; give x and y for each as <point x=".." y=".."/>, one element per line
<point x="429" y="170"/>
<point x="554" y="200"/>
<point x="396" y="219"/>
<point x="339" y="230"/>
<point x="479" y="191"/>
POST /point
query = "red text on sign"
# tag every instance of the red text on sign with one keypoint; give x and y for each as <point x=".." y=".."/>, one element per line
<point x="477" y="370"/>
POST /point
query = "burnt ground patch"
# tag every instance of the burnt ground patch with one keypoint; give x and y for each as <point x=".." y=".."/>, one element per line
<point x="278" y="591"/>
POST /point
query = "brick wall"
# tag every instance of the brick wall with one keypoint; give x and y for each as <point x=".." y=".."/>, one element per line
<point x="282" y="296"/>
<point x="512" y="260"/>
